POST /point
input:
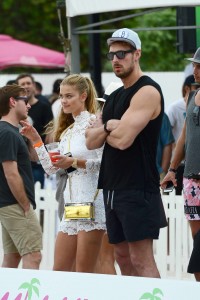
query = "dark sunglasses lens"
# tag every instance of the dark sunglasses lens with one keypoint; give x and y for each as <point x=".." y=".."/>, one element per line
<point x="24" y="98"/>
<point x="110" y="55"/>
<point x="120" y="54"/>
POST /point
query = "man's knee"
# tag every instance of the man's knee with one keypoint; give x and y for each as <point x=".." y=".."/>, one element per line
<point x="122" y="256"/>
<point x="32" y="260"/>
<point x="194" y="263"/>
<point x="36" y="257"/>
<point x="11" y="260"/>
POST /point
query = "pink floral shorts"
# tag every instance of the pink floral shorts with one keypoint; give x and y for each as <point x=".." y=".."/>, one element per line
<point x="191" y="194"/>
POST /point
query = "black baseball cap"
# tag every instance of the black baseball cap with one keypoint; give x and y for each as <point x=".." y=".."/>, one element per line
<point x="190" y="80"/>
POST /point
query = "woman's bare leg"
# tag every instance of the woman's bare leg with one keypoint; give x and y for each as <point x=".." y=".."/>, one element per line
<point x="88" y="247"/>
<point x="65" y="252"/>
<point x="106" y="261"/>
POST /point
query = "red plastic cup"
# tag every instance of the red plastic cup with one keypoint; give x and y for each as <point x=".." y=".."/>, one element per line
<point x="51" y="154"/>
<point x="53" y="150"/>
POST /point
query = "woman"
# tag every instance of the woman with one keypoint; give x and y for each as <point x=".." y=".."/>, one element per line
<point x="78" y="242"/>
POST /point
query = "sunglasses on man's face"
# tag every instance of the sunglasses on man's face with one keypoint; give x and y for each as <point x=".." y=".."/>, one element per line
<point x="24" y="98"/>
<point x="120" y="54"/>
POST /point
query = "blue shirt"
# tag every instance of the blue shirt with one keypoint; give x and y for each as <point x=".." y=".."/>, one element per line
<point x="165" y="138"/>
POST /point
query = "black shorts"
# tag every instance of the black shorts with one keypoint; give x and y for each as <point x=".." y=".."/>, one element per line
<point x="133" y="215"/>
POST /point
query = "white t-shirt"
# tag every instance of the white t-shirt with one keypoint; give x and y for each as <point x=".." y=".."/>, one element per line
<point x="177" y="113"/>
<point x="56" y="107"/>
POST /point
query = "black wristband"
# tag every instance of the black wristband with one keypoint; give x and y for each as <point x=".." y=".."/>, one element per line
<point x="105" y="128"/>
<point x="172" y="170"/>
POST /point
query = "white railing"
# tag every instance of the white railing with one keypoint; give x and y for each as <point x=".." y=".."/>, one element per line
<point x="172" y="250"/>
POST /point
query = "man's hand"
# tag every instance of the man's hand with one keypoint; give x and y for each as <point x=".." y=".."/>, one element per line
<point x="26" y="208"/>
<point x="112" y="124"/>
<point x="170" y="176"/>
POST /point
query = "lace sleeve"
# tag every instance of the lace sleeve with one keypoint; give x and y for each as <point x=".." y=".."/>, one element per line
<point x="45" y="160"/>
<point x="93" y="164"/>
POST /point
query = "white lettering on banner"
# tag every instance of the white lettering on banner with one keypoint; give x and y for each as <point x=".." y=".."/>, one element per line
<point x="18" y="284"/>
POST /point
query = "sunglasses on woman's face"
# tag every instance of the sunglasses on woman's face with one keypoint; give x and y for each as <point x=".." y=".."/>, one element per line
<point x="120" y="54"/>
<point x="24" y="98"/>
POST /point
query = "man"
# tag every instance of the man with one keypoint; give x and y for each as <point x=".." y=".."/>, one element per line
<point x="177" y="113"/>
<point x="41" y="115"/>
<point x="38" y="93"/>
<point x="21" y="232"/>
<point x="130" y="127"/>
<point x="177" y="110"/>
<point x="164" y="149"/>
<point x="188" y="147"/>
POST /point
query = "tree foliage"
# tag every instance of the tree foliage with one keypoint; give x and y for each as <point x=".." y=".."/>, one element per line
<point x="159" y="47"/>
<point x="36" y="21"/>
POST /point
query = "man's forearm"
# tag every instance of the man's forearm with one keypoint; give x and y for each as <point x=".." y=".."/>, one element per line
<point x="179" y="154"/>
<point x="16" y="186"/>
<point x="166" y="157"/>
<point x="95" y="137"/>
<point x="119" y="139"/>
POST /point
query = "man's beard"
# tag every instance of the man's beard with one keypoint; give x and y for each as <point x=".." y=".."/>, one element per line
<point x="124" y="74"/>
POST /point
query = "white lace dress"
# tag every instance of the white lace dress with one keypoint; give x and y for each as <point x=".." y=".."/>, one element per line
<point x="83" y="181"/>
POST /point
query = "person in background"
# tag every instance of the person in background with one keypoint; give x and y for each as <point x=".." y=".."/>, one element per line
<point x="55" y="90"/>
<point x="54" y="98"/>
<point x="38" y="92"/>
<point x="38" y="88"/>
<point x="164" y="149"/>
<point x="11" y="81"/>
<point x="41" y="115"/>
<point x="21" y="232"/>
<point x="130" y="127"/>
<point x="188" y="70"/>
<point x="187" y="147"/>
<point x="78" y="242"/>
<point x="176" y="113"/>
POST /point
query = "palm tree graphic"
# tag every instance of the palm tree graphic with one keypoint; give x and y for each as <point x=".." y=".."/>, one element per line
<point x="156" y="295"/>
<point x="30" y="288"/>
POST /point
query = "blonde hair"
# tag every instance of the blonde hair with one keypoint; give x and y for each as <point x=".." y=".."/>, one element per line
<point x="82" y="85"/>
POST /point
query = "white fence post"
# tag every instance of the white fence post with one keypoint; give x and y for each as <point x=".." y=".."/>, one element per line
<point x="47" y="207"/>
<point x="174" y="246"/>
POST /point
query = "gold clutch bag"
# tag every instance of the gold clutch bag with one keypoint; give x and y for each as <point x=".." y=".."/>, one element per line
<point x="79" y="211"/>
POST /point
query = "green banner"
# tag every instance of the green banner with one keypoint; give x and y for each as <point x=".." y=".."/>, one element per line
<point x="197" y="11"/>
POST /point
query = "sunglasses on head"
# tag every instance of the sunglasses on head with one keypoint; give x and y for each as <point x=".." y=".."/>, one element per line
<point x="196" y="115"/>
<point x="120" y="54"/>
<point x="24" y="98"/>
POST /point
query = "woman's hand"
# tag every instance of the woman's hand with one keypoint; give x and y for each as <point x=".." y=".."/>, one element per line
<point x="62" y="161"/>
<point x="96" y="122"/>
<point x="30" y="132"/>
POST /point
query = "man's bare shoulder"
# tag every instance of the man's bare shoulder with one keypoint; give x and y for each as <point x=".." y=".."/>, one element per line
<point x="146" y="95"/>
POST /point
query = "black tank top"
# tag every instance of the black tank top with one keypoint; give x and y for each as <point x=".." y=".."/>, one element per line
<point x="134" y="167"/>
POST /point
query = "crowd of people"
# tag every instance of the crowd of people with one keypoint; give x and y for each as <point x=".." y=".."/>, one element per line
<point x="109" y="164"/>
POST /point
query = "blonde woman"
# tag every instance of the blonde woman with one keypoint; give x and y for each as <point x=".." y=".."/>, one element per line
<point x="78" y="242"/>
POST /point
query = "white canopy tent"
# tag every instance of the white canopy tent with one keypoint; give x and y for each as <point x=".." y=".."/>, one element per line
<point x="76" y="8"/>
<point x="86" y="7"/>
